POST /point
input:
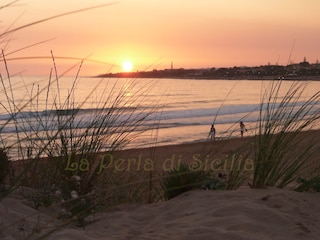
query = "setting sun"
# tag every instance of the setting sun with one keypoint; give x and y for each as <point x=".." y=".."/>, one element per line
<point x="127" y="66"/>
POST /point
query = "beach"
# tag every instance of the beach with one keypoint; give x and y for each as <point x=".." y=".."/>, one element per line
<point x="156" y="120"/>
<point x="245" y="213"/>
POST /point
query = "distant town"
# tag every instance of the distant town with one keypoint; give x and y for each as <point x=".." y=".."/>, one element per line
<point x="299" y="71"/>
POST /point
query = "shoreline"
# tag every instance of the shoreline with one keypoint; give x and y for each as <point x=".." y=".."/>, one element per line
<point x="168" y="157"/>
<point x="218" y="157"/>
<point x="224" y="145"/>
<point x="300" y="71"/>
<point x="204" y="144"/>
<point x="267" y="78"/>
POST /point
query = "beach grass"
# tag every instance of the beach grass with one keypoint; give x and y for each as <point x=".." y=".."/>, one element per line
<point x="63" y="161"/>
<point x="55" y="153"/>
<point x="281" y="153"/>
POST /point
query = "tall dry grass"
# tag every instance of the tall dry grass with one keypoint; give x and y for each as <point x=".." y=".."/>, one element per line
<point x="56" y="150"/>
<point x="282" y="153"/>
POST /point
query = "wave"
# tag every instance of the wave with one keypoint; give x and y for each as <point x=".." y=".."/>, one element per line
<point x="65" y="112"/>
<point x="147" y="117"/>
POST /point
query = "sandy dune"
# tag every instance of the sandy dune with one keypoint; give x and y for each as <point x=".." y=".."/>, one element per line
<point x="198" y="214"/>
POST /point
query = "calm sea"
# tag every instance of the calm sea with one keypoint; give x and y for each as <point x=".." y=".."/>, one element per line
<point x="164" y="111"/>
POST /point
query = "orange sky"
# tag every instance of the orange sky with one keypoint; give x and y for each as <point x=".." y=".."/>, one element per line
<point x="152" y="34"/>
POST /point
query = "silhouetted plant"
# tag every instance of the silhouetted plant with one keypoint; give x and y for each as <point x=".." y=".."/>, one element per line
<point x="308" y="185"/>
<point x="58" y="134"/>
<point x="214" y="184"/>
<point x="280" y="157"/>
<point x="4" y="165"/>
<point x="180" y="180"/>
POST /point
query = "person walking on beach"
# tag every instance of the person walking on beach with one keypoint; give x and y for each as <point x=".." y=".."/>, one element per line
<point x="242" y="128"/>
<point x="212" y="133"/>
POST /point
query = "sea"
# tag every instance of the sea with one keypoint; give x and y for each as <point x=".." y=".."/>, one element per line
<point x="136" y="112"/>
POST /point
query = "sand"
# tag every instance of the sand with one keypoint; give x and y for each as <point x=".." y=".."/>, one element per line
<point x="197" y="214"/>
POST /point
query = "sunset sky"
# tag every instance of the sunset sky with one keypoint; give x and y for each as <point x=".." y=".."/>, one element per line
<point x="151" y="34"/>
